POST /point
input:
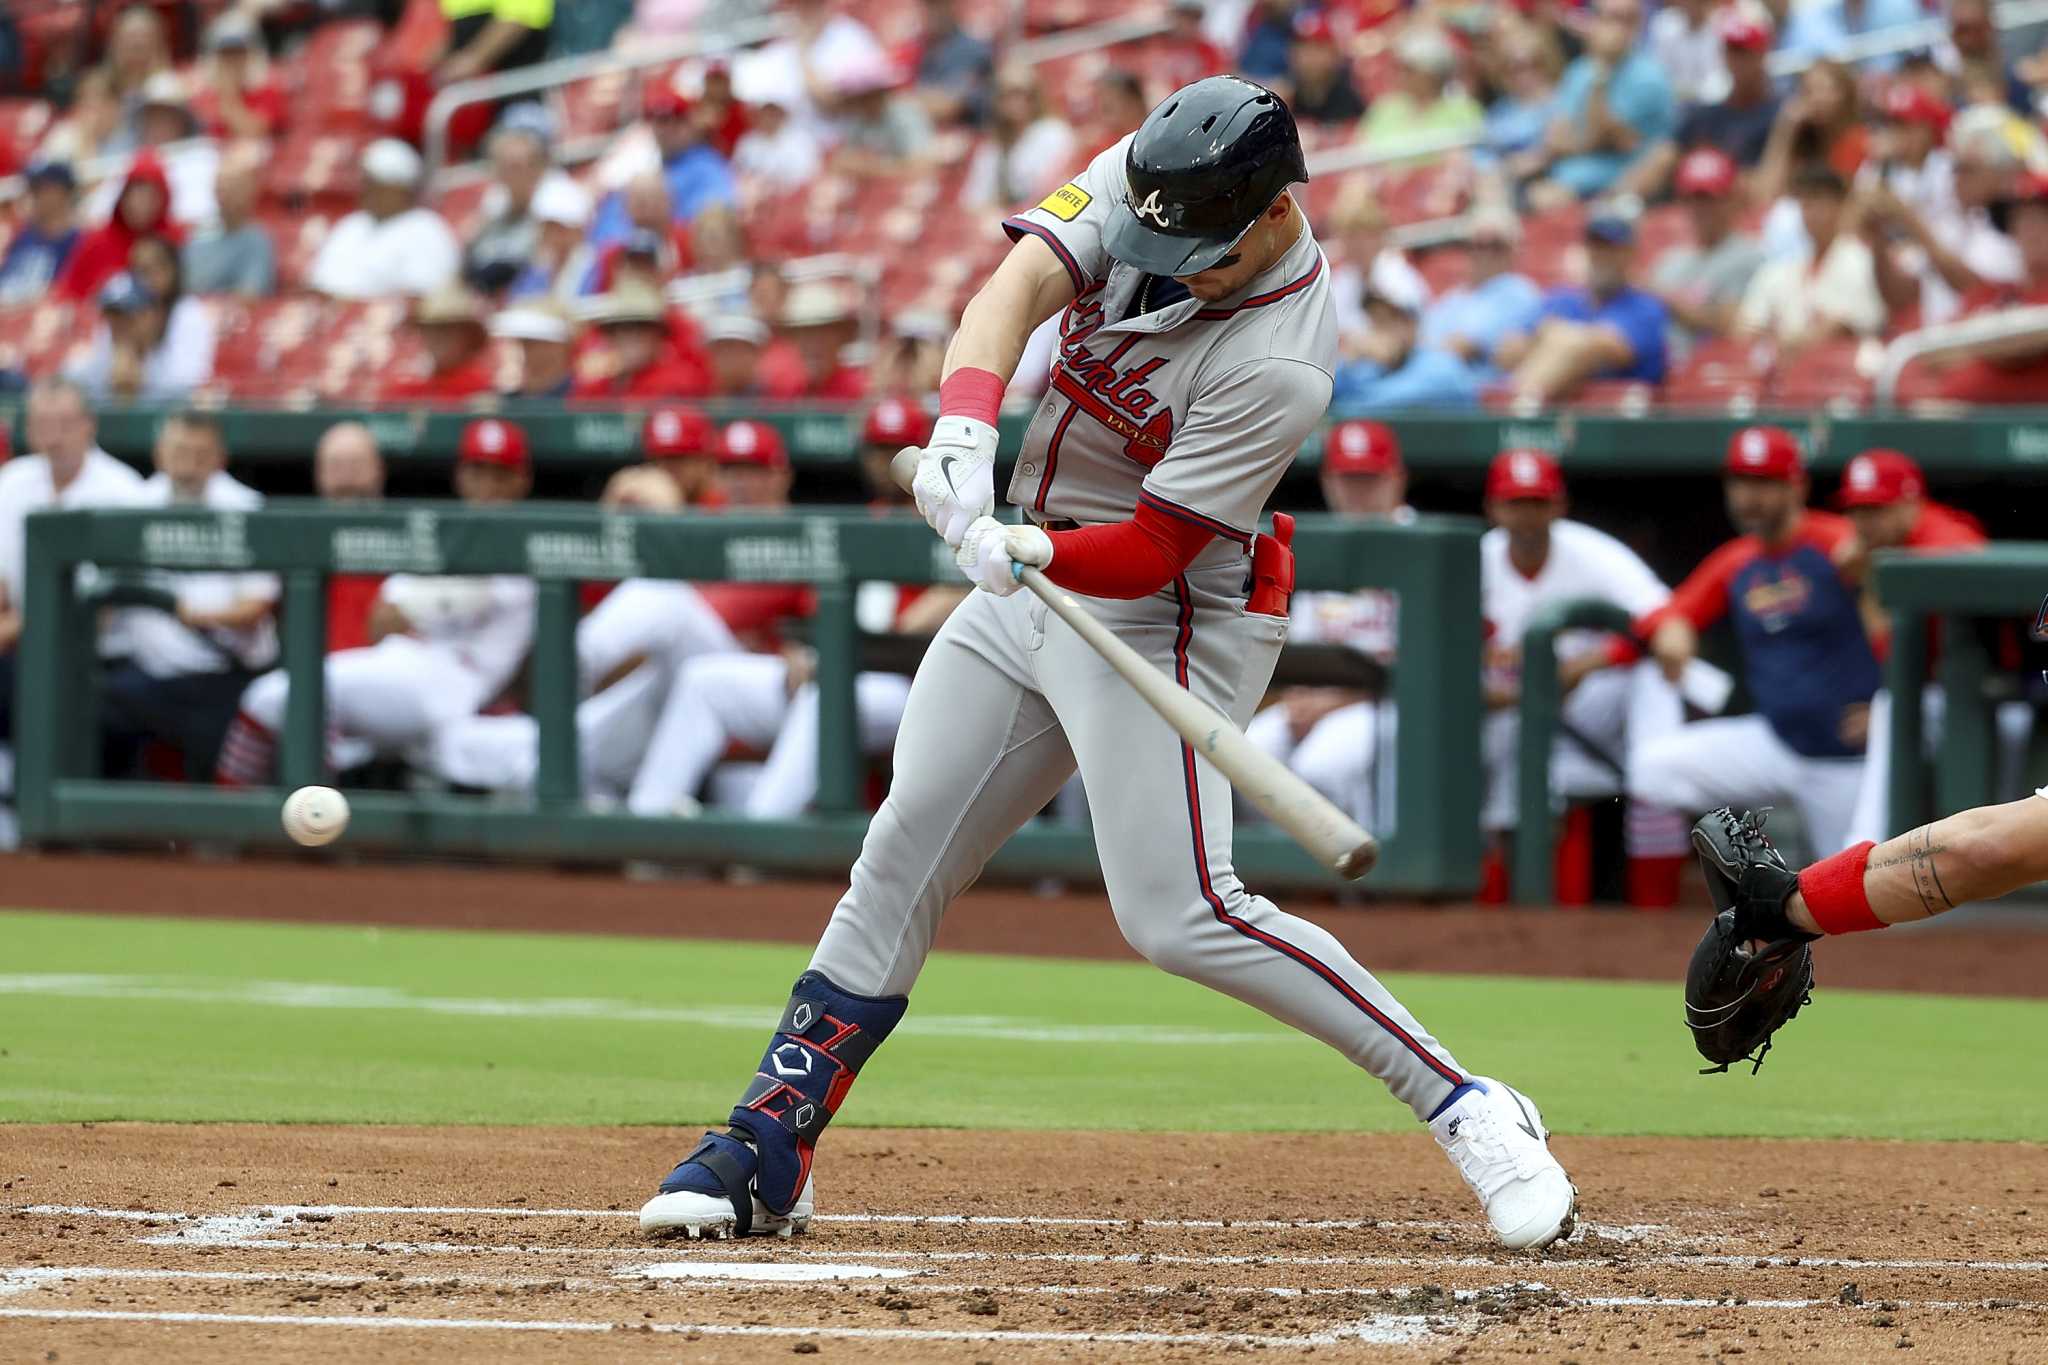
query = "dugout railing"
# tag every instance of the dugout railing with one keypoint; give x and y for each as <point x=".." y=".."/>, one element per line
<point x="1432" y="565"/>
<point x="2006" y="443"/>
<point x="1965" y="594"/>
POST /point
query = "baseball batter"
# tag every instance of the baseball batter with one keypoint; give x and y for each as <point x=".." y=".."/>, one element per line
<point x="443" y="645"/>
<point x="1196" y="349"/>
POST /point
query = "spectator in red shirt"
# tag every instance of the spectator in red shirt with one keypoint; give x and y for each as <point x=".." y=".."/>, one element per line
<point x="238" y="97"/>
<point x="2014" y="371"/>
<point x="681" y="442"/>
<point x="450" y="324"/>
<point x="1186" y="54"/>
<point x="1118" y="105"/>
<point x="724" y="119"/>
<point x="639" y="354"/>
<point x="733" y="343"/>
<point x="143" y="209"/>
<point x="808" y="357"/>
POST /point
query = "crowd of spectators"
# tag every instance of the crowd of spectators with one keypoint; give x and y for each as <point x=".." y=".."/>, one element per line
<point x="1611" y="190"/>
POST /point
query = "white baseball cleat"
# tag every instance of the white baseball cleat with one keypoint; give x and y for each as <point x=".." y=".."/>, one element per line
<point x="711" y="1216"/>
<point x="1496" y="1138"/>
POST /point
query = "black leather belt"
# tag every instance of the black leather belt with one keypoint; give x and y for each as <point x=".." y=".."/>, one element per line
<point x="1056" y="524"/>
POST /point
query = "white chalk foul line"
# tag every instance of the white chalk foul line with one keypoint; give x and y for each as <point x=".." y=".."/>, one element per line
<point x="1385" y="1330"/>
<point x="203" y="990"/>
<point x="1620" y="1233"/>
<point x="735" y="1276"/>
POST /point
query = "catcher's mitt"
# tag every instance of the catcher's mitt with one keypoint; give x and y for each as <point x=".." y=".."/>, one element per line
<point x="1752" y="970"/>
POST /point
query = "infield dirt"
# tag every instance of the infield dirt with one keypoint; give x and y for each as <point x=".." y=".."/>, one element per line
<point x="519" y="1245"/>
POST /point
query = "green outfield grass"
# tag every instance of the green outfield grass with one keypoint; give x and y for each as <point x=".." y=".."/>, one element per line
<point x="137" y="1018"/>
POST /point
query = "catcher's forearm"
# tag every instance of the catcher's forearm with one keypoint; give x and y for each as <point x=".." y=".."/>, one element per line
<point x="1971" y="855"/>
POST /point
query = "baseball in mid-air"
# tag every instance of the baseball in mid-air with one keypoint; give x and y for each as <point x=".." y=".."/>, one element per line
<point x="315" y="815"/>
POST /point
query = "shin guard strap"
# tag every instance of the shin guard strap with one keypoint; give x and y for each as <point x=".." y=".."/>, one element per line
<point x="737" y="1180"/>
<point x="1834" y="895"/>
<point x="824" y="1038"/>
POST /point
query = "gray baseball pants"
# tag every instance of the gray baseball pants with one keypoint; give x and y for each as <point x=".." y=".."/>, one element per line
<point x="1007" y="700"/>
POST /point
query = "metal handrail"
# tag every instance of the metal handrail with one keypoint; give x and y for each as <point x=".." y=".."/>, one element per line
<point x="1074" y="41"/>
<point x="565" y="70"/>
<point x="865" y="271"/>
<point x="1906" y="37"/>
<point x="1333" y="160"/>
<point x="1962" y="334"/>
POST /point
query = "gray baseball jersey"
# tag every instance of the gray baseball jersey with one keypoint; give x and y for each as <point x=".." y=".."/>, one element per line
<point x="1194" y="409"/>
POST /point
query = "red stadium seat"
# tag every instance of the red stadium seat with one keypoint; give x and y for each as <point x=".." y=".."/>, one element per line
<point x="1830" y="375"/>
<point x="312" y="168"/>
<point x="1626" y="396"/>
<point x="1722" y="374"/>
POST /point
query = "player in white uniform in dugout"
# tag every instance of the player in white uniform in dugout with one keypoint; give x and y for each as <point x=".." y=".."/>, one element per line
<point x="444" y="646"/>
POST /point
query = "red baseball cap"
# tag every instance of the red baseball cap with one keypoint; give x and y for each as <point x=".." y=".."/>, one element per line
<point x="1906" y="102"/>
<point x="1361" y="447"/>
<point x="661" y="99"/>
<point x="750" y="442"/>
<point x="496" y="442"/>
<point x="1879" y="478"/>
<point x="677" y="432"/>
<point x="1745" y="31"/>
<point x="1524" y="474"/>
<point x="896" y="422"/>
<point x="1764" y="453"/>
<point x="1706" y="170"/>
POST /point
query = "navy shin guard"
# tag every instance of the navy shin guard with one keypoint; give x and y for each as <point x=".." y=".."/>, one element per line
<point x="821" y="1044"/>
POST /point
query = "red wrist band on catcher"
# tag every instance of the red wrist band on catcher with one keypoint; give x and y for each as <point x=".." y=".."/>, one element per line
<point x="1833" y="890"/>
<point x="969" y="392"/>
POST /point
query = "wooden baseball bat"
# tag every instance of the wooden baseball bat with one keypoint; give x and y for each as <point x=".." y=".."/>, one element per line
<point x="1333" y="838"/>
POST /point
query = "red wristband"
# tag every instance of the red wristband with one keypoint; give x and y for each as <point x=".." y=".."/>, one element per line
<point x="1833" y="890"/>
<point x="968" y="392"/>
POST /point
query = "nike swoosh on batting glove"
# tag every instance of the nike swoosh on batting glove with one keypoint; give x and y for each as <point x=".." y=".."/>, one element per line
<point x="991" y="553"/>
<point x="955" y="481"/>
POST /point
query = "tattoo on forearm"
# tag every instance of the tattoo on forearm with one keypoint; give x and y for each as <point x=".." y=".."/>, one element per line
<point x="1920" y="854"/>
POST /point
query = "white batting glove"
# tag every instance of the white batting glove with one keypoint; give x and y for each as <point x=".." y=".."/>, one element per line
<point x="956" y="480"/>
<point x="991" y="553"/>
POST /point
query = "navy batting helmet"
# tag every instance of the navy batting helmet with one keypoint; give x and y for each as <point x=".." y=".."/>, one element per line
<point x="1198" y="173"/>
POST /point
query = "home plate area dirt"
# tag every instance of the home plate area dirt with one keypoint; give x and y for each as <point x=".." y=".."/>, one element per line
<point x="244" y="1243"/>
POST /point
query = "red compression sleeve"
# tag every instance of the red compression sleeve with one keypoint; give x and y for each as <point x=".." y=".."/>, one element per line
<point x="1134" y="558"/>
<point x="1834" y="894"/>
<point x="969" y="392"/>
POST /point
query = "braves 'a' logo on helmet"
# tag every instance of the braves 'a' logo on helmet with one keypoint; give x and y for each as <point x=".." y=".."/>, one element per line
<point x="1152" y="208"/>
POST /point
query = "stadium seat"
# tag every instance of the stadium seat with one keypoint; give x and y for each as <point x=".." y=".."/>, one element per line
<point x="315" y="169"/>
<point x="1830" y="375"/>
<point x="1722" y="374"/>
